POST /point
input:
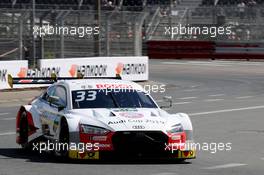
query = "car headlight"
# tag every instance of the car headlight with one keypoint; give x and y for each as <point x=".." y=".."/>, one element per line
<point x="87" y="129"/>
<point x="176" y="128"/>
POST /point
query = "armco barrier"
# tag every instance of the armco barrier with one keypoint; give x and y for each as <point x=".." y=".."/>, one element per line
<point x="233" y="50"/>
<point x="129" y="68"/>
<point x="180" y="49"/>
<point x="15" y="68"/>
<point x="204" y="50"/>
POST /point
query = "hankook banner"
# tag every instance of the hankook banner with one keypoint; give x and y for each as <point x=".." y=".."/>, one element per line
<point x="14" y="68"/>
<point x="129" y="68"/>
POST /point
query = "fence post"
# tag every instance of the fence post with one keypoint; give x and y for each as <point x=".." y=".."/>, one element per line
<point x="20" y="37"/>
<point x="137" y="40"/>
<point x="138" y="34"/>
<point x="62" y="40"/>
<point x="33" y="36"/>
<point x="107" y="28"/>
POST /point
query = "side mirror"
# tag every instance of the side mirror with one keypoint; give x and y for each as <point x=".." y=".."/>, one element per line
<point x="57" y="102"/>
<point x="167" y="99"/>
<point x="53" y="99"/>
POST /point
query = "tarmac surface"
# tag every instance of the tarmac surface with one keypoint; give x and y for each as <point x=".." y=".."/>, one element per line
<point x="224" y="99"/>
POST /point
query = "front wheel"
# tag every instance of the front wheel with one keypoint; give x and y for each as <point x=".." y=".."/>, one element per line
<point x="63" y="139"/>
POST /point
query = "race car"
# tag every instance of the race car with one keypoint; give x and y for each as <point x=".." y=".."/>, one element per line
<point x="91" y="118"/>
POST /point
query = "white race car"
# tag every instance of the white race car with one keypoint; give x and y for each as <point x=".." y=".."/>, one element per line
<point x="93" y="118"/>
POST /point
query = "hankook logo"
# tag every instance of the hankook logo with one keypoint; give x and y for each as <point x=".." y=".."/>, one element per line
<point x="138" y="127"/>
<point x="131" y="69"/>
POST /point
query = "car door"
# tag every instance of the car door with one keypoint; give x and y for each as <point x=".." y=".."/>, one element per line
<point x="52" y="110"/>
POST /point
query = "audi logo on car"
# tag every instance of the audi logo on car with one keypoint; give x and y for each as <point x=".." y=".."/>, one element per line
<point x="138" y="127"/>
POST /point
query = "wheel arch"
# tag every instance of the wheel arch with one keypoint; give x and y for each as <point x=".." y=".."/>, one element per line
<point x="185" y="121"/>
<point x="18" y="120"/>
<point x="187" y="125"/>
<point x="73" y="127"/>
<point x="32" y="129"/>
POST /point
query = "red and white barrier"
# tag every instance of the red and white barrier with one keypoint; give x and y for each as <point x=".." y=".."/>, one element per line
<point x="129" y="68"/>
<point x="204" y="50"/>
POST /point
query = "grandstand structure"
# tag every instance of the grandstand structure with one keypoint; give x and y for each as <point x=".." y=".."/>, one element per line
<point x="229" y="2"/>
<point x="125" y="25"/>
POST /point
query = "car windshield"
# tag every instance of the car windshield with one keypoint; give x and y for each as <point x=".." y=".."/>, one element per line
<point x="105" y="98"/>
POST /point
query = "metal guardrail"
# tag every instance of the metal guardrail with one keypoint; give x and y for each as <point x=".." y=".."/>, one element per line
<point x="121" y="32"/>
<point x="117" y="36"/>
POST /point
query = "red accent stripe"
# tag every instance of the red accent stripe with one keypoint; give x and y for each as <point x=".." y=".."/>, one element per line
<point x="87" y="138"/>
<point x="25" y="81"/>
<point x="18" y="125"/>
<point x="32" y="128"/>
<point x="175" y="142"/>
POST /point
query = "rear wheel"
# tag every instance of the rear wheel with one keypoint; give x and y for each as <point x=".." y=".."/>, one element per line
<point x="23" y="132"/>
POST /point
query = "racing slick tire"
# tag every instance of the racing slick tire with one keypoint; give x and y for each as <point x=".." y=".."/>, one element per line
<point x="23" y="132"/>
<point x="63" y="140"/>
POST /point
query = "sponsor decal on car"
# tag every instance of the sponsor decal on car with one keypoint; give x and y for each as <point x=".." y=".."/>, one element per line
<point x="138" y="127"/>
<point x="86" y="155"/>
<point x="113" y="86"/>
<point x="125" y="110"/>
<point x="186" y="154"/>
<point x="147" y="121"/>
<point x="131" y="115"/>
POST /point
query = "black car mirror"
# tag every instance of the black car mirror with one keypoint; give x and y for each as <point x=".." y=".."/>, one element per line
<point x="167" y="99"/>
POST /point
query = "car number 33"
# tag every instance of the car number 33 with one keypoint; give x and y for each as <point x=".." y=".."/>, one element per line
<point x="85" y="96"/>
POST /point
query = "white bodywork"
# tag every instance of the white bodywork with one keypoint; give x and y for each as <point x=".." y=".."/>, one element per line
<point x="48" y="117"/>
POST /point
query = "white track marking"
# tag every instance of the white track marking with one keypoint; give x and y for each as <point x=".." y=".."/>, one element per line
<point x="182" y="103"/>
<point x="241" y="63"/>
<point x="4" y="101"/>
<point x="244" y="97"/>
<point x="212" y="100"/>
<point x="10" y="101"/>
<point x="11" y="118"/>
<point x="187" y="98"/>
<point x="196" y="63"/>
<point x="25" y="100"/>
<point x="190" y="90"/>
<point x="216" y="63"/>
<point x="3" y="114"/>
<point x="230" y="165"/>
<point x="165" y="173"/>
<point x="7" y="133"/>
<point x="217" y="95"/>
<point x="227" y="110"/>
<point x="15" y="100"/>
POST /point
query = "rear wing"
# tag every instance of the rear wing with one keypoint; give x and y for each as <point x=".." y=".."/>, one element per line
<point x="49" y="80"/>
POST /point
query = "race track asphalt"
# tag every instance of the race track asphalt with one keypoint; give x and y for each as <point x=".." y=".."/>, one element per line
<point x="224" y="99"/>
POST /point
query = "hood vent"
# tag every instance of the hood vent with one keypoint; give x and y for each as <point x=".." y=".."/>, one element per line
<point x="153" y="115"/>
<point x="112" y="114"/>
